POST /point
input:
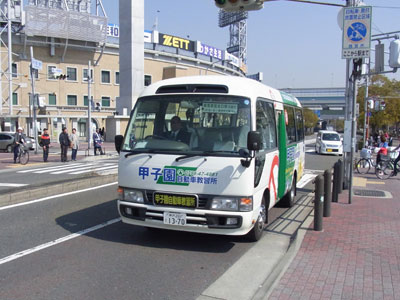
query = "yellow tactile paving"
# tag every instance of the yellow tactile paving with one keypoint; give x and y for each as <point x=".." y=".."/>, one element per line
<point x="375" y="182"/>
<point x="359" y="181"/>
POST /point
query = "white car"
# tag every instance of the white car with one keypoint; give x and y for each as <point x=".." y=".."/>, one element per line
<point x="328" y="142"/>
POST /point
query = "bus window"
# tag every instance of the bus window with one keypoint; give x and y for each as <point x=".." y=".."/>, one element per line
<point x="290" y="126"/>
<point x="265" y="124"/>
<point x="299" y="125"/>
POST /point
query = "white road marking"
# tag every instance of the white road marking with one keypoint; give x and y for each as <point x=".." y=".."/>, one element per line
<point x="56" y="196"/>
<point x="55" y="242"/>
<point x="13" y="184"/>
<point x="305" y="179"/>
<point x="85" y="167"/>
<point x="50" y="168"/>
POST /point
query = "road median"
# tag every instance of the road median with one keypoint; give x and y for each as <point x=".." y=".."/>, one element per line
<point x="29" y="193"/>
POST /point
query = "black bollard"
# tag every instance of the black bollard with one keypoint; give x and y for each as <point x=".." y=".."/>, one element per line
<point x="327" y="192"/>
<point x="318" y="202"/>
<point x="336" y="183"/>
<point x="341" y="176"/>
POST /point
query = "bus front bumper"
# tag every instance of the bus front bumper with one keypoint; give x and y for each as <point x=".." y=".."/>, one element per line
<point x="197" y="220"/>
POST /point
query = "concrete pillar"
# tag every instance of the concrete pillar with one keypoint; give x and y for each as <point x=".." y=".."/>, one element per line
<point x="131" y="53"/>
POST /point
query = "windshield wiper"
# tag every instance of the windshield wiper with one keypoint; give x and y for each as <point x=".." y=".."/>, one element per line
<point x="134" y="152"/>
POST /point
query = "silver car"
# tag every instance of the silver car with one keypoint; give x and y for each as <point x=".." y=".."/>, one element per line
<point x="7" y="141"/>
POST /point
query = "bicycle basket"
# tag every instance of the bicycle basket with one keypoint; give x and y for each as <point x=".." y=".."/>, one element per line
<point x="385" y="157"/>
<point x="365" y="153"/>
<point x="394" y="154"/>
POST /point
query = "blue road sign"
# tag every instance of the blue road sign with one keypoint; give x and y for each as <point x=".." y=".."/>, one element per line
<point x="357" y="32"/>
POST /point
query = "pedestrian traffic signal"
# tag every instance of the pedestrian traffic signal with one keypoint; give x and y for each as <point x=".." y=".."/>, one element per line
<point x="239" y="5"/>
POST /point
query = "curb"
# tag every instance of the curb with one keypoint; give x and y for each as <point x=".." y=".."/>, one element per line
<point x="273" y="279"/>
<point x="56" y="188"/>
<point x="258" y="271"/>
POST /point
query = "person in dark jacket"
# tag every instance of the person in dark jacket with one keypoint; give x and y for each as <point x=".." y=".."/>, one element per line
<point x="97" y="142"/>
<point x="19" y="139"/>
<point x="45" y="143"/>
<point x="64" y="143"/>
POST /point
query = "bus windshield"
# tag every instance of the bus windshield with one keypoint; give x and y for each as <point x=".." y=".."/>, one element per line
<point x="192" y="124"/>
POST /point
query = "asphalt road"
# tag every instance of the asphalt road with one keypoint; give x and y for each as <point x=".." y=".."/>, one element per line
<point x="44" y="255"/>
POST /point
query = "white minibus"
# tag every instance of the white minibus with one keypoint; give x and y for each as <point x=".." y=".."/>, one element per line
<point x="210" y="154"/>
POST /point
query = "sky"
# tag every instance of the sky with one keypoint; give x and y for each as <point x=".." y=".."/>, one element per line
<point x="295" y="45"/>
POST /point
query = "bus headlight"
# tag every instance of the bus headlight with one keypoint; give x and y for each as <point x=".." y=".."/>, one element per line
<point x="223" y="203"/>
<point x="232" y="204"/>
<point x="130" y="195"/>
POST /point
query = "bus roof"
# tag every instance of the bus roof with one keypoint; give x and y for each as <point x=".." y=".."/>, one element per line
<point x="231" y="85"/>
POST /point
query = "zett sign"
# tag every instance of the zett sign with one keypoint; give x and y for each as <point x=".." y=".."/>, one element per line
<point x="176" y="42"/>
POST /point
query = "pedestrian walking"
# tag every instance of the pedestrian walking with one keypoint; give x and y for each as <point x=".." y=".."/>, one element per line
<point x="64" y="143"/>
<point x="74" y="144"/>
<point x="97" y="142"/>
<point x="45" y="143"/>
<point x="19" y="140"/>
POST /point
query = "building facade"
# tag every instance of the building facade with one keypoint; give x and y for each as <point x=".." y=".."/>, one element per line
<point x="61" y="85"/>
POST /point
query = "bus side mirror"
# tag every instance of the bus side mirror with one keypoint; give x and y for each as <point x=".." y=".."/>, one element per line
<point x="118" y="142"/>
<point x="254" y="140"/>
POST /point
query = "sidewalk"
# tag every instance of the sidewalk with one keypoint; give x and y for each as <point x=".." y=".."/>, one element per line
<point x="6" y="159"/>
<point x="357" y="255"/>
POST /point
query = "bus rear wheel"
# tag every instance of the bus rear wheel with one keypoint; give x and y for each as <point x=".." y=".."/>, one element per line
<point x="256" y="233"/>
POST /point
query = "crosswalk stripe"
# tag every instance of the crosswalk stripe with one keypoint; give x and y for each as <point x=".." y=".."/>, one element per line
<point x="85" y="167"/>
<point x="63" y="169"/>
<point x="98" y="169"/>
<point x="50" y="168"/>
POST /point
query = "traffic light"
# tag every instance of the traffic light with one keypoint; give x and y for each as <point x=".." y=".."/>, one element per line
<point x="370" y="103"/>
<point x="98" y="106"/>
<point x="61" y="76"/>
<point x="382" y="105"/>
<point x="239" y="5"/>
<point x="394" y="54"/>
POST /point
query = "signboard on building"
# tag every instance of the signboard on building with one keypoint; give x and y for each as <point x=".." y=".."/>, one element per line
<point x="356" y="32"/>
<point x="113" y="30"/>
<point x="209" y="50"/>
<point x="176" y="42"/>
<point x="147" y="37"/>
<point x="233" y="60"/>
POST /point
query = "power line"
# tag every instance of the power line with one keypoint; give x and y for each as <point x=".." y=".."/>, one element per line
<point x="391" y="7"/>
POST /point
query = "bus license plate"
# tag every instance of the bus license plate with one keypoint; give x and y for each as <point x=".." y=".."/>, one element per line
<point x="174" y="218"/>
<point x="328" y="150"/>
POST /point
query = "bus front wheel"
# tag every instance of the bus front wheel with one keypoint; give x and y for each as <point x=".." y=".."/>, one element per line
<point x="256" y="233"/>
<point x="289" y="199"/>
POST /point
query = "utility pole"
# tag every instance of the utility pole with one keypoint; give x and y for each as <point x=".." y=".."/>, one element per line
<point x="33" y="101"/>
<point x="10" y="93"/>
<point x="366" y="113"/>
<point x="89" y="121"/>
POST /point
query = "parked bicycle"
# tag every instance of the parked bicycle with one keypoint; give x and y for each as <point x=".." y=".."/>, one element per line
<point x="23" y="154"/>
<point x="385" y="168"/>
<point x="366" y="162"/>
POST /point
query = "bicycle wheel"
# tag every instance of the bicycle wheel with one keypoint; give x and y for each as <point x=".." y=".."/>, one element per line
<point x="363" y="166"/>
<point x="383" y="170"/>
<point x="24" y="158"/>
